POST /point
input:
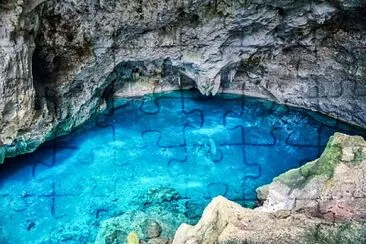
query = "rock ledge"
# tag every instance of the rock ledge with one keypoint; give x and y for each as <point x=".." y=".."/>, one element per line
<point x="321" y="200"/>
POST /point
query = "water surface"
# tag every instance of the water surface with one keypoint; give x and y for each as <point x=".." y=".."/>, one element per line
<point x="201" y="147"/>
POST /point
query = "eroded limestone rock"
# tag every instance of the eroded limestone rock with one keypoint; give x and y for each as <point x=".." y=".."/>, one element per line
<point x="332" y="186"/>
<point x="304" y="205"/>
<point x="224" y="221"/>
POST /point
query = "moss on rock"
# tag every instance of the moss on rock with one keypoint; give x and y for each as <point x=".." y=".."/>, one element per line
<point x="351" y="232"/>
<point x="322" y="167"/>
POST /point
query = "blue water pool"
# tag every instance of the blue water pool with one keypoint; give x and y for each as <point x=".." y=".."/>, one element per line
<point x="179" y="141"/>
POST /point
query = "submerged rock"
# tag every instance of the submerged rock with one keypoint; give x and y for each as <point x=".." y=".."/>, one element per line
<point x="155" y="222"/>
<point x="115" y="237"/>
<point x="160" y="195"/>
<point x="151" y="228"/>
<point x="304" y="205"/>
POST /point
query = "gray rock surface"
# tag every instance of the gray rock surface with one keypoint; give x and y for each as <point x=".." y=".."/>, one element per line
<point x="224" y="222"/>
<point x="326" y="195"/>
<point x="332" y="186"/>
<point x="62" y="59"/>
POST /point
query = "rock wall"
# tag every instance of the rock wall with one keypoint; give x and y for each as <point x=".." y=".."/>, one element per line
<point x="320" y="202"/>
<point x="62" y="59"/>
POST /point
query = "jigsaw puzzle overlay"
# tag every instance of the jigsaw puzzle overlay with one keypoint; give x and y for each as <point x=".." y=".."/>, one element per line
<point x="200" y="146"/>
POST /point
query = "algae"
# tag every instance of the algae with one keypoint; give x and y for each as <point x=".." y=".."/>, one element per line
<point x="322" y="167"/>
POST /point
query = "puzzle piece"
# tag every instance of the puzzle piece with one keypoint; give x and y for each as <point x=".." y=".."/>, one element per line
<point x="156" y="113"/>
<point x="203" y="147"/>
<point x="215" y="189"/>
<point x="198" y="167"/>
<point x="29" y="206"/>
<point x="193" y="99"/>
<point x="246" y="133"/>
<point x="253" y="122"/>
<point x="237" y="162"/>
<point x="29" y="218"/>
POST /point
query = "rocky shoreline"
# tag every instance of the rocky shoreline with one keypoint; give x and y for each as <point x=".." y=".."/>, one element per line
<point x="324" y="195"/>
<point x="321" y="202"/>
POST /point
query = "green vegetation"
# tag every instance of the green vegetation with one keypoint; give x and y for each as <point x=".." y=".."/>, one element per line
<point x="328" y="160"/>
<point x="323" y="167"/>
<point x="352" y="233"/>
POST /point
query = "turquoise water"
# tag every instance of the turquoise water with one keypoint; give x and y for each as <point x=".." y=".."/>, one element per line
<point x="200" y="147"/>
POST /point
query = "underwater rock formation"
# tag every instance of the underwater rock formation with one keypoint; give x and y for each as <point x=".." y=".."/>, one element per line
<point x="302" y="205"/>
<point x="162" y="210"/>
<point x="62" y="59"/>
